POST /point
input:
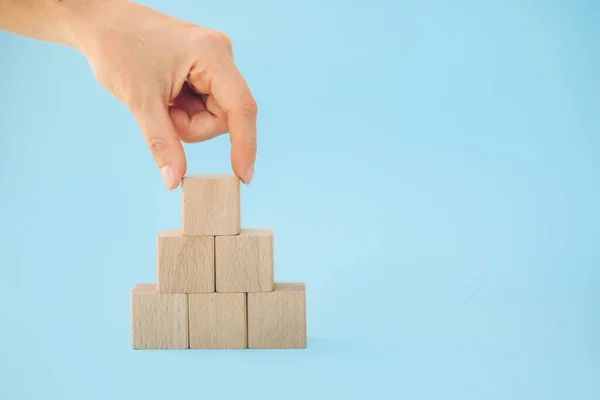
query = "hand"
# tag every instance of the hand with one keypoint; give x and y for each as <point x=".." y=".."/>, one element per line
<point x="178" y="80"/>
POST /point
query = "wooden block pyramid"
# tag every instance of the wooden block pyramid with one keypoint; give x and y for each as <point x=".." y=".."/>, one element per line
<point x="214" y="286"/>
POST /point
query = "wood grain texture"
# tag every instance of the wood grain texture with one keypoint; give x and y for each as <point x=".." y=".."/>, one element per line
<point x="185" y="264"/>
<point x="244" y="263"/>
<point x="277" y="320"/>
<point x="218" y="321"/>
<point x="210" y="205"/>
<point x="158" y="321"/>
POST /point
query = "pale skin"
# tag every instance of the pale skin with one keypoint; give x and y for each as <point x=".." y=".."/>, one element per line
<point x="178" y="79"/>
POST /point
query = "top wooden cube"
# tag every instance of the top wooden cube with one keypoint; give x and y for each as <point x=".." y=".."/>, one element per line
<point x="210" y="205"/>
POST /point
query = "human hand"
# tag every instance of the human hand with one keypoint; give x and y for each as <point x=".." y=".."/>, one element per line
<point x="178" y="80"/>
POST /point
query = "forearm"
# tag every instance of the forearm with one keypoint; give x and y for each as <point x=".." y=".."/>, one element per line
<point x="67" y="22"/>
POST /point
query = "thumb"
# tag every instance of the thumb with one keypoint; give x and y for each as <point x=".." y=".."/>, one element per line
<point x="163" y="142"/>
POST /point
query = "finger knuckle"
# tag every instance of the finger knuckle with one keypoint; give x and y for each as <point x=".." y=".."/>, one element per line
<point x="225" y="39"/>
<point x="218" y="39"/>
<point x="253" y="145"/>
<point x="158" y="147"/>
<point x="250" y="108"/>
<point x="228" y="45"/>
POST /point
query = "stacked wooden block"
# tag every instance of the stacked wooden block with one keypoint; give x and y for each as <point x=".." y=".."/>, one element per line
<point x="215" y="287"/>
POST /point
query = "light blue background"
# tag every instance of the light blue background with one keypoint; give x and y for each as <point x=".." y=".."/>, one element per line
<point x="431" y="169"/>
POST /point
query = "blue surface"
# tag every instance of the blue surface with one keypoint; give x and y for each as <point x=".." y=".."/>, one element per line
<point x="431" y="169"/>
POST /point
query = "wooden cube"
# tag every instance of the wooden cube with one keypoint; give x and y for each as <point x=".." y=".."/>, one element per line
<point x="218" y="321"/>
<point x="185" y="264"/>
<point x="210" y="205"/>
<point x="158" y="321"/>
<point x="277" y="320"/>
<point x="244" y="263"/>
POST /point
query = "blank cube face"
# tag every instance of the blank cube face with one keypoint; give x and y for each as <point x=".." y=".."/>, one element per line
<point x="244" y="263"/>
<point x="158" y="321"/>
<point x="277" y="320"/>
<point x="210" y="205"/>
<point x="218" y="321"/>
<point x="185" y="264"/>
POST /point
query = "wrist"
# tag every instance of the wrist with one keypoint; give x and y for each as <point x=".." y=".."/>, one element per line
<point x="86" y="22"/>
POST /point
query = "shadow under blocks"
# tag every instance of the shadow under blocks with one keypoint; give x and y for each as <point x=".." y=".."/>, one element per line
<point x="214" y="281"/>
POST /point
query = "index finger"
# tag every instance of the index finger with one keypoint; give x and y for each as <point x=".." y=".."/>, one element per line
<point x="233" y="96"/>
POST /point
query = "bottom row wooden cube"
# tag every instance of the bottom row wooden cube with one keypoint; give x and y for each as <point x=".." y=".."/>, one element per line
<point x="277" y="319"/>
<point x="219" y="320"/>
<point x="158" y="321"/>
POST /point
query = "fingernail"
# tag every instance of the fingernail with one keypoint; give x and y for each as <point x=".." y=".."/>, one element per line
<point x="168" y="176"/>
<point x="249" y="173"/>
